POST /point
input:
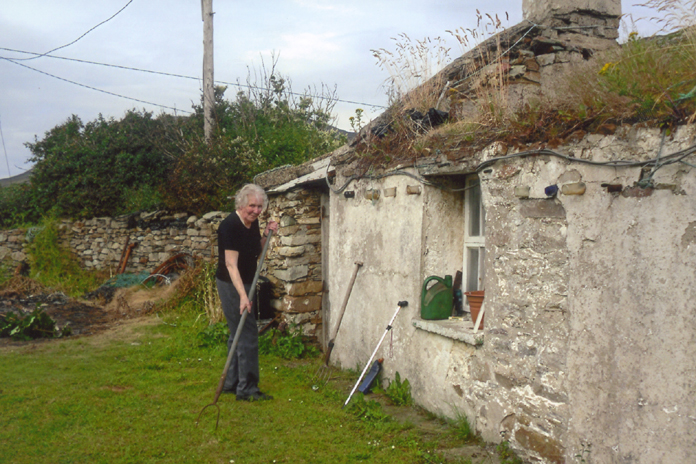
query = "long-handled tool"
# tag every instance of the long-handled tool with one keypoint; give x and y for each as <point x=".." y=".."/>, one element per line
<point x="233" y="348"/>
<point x="401" y="304"/>
<point x="324" y="373"/>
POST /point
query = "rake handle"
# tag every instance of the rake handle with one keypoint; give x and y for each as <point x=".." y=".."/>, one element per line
<point x="342" y="311"/>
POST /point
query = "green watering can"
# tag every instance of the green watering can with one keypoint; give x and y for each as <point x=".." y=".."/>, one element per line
<point x="437" y="301"/>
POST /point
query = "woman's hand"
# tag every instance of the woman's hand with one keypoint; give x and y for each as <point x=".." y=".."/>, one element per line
<point x="272" y="225"/>
<point x="244" y="304"/>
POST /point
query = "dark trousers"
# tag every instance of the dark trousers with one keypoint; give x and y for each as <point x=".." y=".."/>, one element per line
<point x="243" y="375"/>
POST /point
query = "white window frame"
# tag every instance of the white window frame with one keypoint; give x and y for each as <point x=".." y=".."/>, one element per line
<point x="474" y="220"/>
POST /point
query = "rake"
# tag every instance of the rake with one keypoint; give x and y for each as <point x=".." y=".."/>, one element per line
<point x="252" y="292"/>
<point x="323" y="374"/>
<point x="401" y="304"/>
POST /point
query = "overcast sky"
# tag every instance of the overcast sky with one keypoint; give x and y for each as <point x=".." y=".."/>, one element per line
<point x="317" y="42"/>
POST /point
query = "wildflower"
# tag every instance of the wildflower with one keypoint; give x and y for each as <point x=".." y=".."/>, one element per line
<point x="606" y="68"/>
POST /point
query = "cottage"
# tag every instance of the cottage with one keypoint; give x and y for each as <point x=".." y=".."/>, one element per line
<point x="586" y="253"/>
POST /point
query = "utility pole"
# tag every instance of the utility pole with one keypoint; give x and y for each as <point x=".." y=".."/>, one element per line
<point x="208" y="82"/>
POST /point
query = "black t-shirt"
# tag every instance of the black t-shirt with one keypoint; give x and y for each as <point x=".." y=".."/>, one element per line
<point x="232" y="235"/>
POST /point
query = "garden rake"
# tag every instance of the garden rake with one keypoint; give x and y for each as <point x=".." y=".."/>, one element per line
<point x="401" y="304"/>
<point x="233" y="348"/>
<point x="323" y="374"/>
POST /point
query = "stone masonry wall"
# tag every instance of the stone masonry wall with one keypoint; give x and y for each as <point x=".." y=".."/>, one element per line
<point x="99" y="242"/>
<point x="294" y="262"/>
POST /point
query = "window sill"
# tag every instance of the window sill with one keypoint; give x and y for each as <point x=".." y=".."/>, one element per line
<point x="460" y="330"/>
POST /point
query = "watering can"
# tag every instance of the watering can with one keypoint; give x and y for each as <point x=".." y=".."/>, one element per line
<point x="437" y="301"/>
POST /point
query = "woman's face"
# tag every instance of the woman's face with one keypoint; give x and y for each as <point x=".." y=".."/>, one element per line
<point x="251" y="211"/>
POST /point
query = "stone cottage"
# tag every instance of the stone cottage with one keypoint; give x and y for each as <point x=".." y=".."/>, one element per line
<point x="586" y="253"/>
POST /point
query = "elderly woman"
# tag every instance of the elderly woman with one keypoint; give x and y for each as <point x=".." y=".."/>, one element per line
<point x="239" y="246"/>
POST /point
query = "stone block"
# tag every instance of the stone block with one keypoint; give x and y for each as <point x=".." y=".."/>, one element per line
<point x="290" y="230"/>
<point x="287" y="221"/>
<point x="297" y="240"/>
<point x="517" y="71"/>
<point x="292" y="274"/>
<point x="301" y="304"/>
<point x="299" y="261"/>
<point x="309" y="220"/>
<point x="209" y="216"/>
<point x="546" y="59"/>
<point x="542" y="209"/>
<point x="304" y="288"/>
<point x="18" y="256"/>
<point x="522" y="191"/>
<point x="289" y="252"/>
<point x="547" y="447"/>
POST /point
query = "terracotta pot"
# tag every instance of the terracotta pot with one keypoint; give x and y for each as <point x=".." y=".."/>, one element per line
<point x="475" y="300"/>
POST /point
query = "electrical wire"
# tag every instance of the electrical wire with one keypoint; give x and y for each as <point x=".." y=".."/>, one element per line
<point x="74" y="41"/>
<point x="161" y="73"/>
<point x="96" y="89"/>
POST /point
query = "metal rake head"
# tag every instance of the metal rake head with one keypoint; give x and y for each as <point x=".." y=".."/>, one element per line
<point x="322" y="375"/>
<point x="217" y="421"/>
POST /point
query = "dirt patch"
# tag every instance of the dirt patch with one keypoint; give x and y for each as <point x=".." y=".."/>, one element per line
<point x="82" y="316"/>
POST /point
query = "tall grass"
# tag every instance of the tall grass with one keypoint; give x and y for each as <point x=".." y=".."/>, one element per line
<point x="411" y="67"/>
<point x="55" y="266"/>
<point x="645" y="79"/>
<point x="196" y="292"/>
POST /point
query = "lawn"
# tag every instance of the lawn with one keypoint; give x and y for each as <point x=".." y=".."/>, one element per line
<point x="132" y="395"/>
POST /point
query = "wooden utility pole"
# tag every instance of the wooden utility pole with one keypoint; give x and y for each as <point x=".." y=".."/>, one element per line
<point x="208" y="82"/>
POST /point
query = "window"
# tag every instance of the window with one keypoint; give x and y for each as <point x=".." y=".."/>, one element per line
<point x="474" y="236"/>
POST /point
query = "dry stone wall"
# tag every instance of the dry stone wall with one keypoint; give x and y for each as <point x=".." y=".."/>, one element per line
<point x="99" y="243"/>
<point x="293" y="262"/>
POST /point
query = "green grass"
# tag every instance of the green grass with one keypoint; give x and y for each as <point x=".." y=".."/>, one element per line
<point x="134" y="398"/>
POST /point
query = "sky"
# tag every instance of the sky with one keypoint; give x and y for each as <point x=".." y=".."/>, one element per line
<point x="316" y="42"/>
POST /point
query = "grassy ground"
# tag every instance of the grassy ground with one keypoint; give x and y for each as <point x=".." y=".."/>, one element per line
<point x="132" y="395"/>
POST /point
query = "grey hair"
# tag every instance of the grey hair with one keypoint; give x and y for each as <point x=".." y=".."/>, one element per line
<point x="241" y="200"/>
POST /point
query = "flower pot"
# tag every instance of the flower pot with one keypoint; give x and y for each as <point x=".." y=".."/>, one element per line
<point x="475" y="300"/>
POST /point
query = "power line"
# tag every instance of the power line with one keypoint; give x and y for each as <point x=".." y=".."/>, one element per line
<point x="67" y="45"/>
<point x="94" y="88"/>
<point x="161" y="73"/>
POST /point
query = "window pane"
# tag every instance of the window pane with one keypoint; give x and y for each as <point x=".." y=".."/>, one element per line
<point x="475" y="209"/>
<point x="472" y="269"/>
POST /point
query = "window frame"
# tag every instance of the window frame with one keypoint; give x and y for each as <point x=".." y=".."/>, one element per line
<point x="474" y="215"/>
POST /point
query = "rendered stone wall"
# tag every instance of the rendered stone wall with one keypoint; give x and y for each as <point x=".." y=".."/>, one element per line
<point x="588" y="342"/>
